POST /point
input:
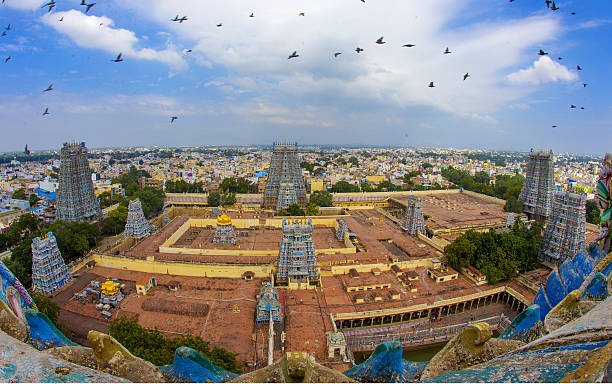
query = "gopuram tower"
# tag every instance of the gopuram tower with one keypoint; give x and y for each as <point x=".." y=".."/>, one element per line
<point x="285" y="184"/>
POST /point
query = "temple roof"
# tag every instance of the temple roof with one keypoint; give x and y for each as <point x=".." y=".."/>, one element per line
<point x="224" y="219"/>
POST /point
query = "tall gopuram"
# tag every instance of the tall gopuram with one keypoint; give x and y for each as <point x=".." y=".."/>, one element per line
<point x="565" y="233"/>
<point x="296" y="263"/>
<point x="137" y="225"/>
<point x="414" y="220"/>
<point x="284" y="169"/>
<point x="49" y="272"/>
<point x="76" y="200"/>
<point x="224" y="233"/>
<point x="286" y="196"/>
<point x="268" y="305"/>
<point x="539" y="186"/>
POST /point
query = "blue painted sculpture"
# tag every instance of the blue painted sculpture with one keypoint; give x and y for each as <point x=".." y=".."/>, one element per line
<point x="190" y="366"/>
<point x="525" y="326"/>
<point x="386" y="365"/>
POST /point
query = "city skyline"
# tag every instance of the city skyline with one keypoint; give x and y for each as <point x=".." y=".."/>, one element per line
<point x="237" y="87"/>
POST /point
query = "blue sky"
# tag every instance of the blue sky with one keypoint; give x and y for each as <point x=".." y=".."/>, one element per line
<point x="237" y="86"/>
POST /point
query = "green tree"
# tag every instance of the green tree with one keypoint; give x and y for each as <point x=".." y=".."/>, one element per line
<point x="19" y="194"/>
<point x="214" y="199"/>
<point x="181" y="186"/>
<point x="228" y="199"/>
<point x="312" y="209"/>
<point x="33" y="199"/>
<point x="344" y="186"/>
<point x="321" y="199"/>
<point x="513" y="205"/>
<point x="353" y="160"/>
<point x="592" y="212"/>
<point x="386" y="186"/>
<point x="45" y="305"/>
<point x="367" y="187"/>
<point x="307" y="166"/>
<point x="235" y="185"/>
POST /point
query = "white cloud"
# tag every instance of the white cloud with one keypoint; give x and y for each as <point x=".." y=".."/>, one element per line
<point x="98" y="32"/>
<point x="543" y="70"/>
<point x="24" y="4"/>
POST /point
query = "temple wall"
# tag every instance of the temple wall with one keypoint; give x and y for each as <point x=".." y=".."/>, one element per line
<point x="436" y="242"/>
<point x="367" y="268"/>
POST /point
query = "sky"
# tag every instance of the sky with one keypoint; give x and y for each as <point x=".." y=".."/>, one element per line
<point x="234" y="84"/>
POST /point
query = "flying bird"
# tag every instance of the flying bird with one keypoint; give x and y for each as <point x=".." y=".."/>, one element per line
<point x="252" y="14"/>
<point x="176" y="18"/>
<point x="578" y="68"/>
<point x="554" y="126"/>
<point x="173" y="118"/>
<point x="358" y="50"/>
<point x="548" y="2"/>
<point x="559" y="58"/>
<point x="293" y="55"/>
<point x="447" y="51"/>
<point x="581" y="107"/>
<point x="184" y="18"/>
<point x="573" y="13"/>
<point x="46" y="112"/>
<point x="408" y="45"/>
<point x="542" y="53"/>
<point x="188" y="50"/>
<point x="572" y="106"/>
<point x="466" y="76"/>
<point x="7" y="59"/>
<point x="584" y="85"/>
<point x="49" y="4"/>
<point x="51" y="7"/>
<point x="554" y="7"/>
<point x="83" y="2"/>
<point x="88" y="7"/>
<point x="8" y="27"/>
<point x="431" y="84"/>
<point x="49" y="88"/>
<point x="219" y="25"/>
<point x="301" y="14"/>
<point x="118" y="59"/>
<point x="380" y="40"/>
<point x="3" y="33"/>
<point x="61" y="19"/>
<point x="337" y="54"/>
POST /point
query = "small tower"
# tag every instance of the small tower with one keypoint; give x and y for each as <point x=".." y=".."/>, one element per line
<point x="296" y="262"/>
<point x="268" y="304"/>
<point x="565" y="233"/>
<point x="414" y="221"/>
<point x="49" y="272"/>
<point x="539" y="186"/>
<point x="224" y="233"/>
<point x="286" y="196"/>
<point x="137" y="225"/>
<point x="342" y="229"/>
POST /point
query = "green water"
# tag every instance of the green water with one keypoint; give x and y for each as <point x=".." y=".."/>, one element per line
<point x="421" y="354"/>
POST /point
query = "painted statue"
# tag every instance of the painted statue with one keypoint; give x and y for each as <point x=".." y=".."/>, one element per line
<point x="604" y="201"/>
<point x="13" y="293"/>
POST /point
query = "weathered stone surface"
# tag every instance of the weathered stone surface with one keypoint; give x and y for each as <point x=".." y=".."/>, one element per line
<point x="294" y="367"/>
<point x="19" y="362"/>
<point x="11" y="324"/>
<point x="569" y="309"/>
<point x="472" y="346"/>
<point x="594" y="369"/>
<point x="114" y="358"/>
<point x="386" y="365"/>
<point x="79" y="355"/>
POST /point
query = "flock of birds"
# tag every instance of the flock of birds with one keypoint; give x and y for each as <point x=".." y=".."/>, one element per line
<point x="180" y="19"/>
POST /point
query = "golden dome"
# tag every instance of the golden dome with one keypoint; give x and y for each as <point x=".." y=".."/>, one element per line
<point x="224" y="219"/>
<point x="109" y="288"/>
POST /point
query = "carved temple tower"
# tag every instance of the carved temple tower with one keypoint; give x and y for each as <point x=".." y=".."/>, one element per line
<point x="414" y="220"/>
<point x="285" y="184"/>
<point x="137" y="225"/>
<point x="49" y="272"/>
<point x="539" y="186"/>
<point x="296" y="263"/>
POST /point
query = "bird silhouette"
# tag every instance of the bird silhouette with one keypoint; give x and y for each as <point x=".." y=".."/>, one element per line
<point x="358" y="50"/>
<point x="554" y="126"/>
<point x="337" y="54"/>
<point x="542" y="53"/>
<point x="46" y="112"/>
<point x="301" y="14"/>
<point x="293" y="55"/>
<point x="380" y="40"/>
<point x="431" y="84"/>
<point x="584" y="85"/>
<point x="173" y="118"/>
<point x="49" y="88"/>
<point x="252" y="14"/>
<point x="573" y="13"/>
<point x="88" y="7"/>
<point x="219" y="25"/>
<point x="578" y="68"/>
<point x="51" y="8"/>
<point x="118" y="59"/>
<point x="466" y="76"/>
<point x="572" y="106"/>
<point x="7" y="59"/>
<point x="3" y="33"/>
<point x="447" y="51"/>
<point x="188" y="50"/>
<point x="554" y="7"/>
<point x="559" y="58"/>
<point x="61" y="19"/>
<point x="184" y="18"/>
<point x="176" y="18"/>
<point x="83" y="2"/>
<point x="548" y="2"/>
<point x="408" y="45"/>
<point x="49" y="4"/>
<point x="8" y="27"/>
<point x="581" y="107"/>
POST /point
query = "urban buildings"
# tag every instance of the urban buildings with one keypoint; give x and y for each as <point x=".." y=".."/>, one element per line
<point x="285" y="184"/>
<point x="565" y="233"/>
<point x="76" y="200"/>
<point x="297" y="263"/>
<point x="49" y="272"/>
<point x="537" y="192"/>
<point x="137" y="225"/>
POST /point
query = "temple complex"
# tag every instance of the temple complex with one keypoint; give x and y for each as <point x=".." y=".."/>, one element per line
<point x="224" y="233"/>
<point x="539" y="186"/>
<point x="414" y="221"/>
<point x="137" y="225"/>
<point x="268" y="305"/>
<point x="76" y="200"/>
<point x="49" y="272"/>
<point x="565" y="233"/>
<point x="297" y="263"/>
<point x="285" y="178"/>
